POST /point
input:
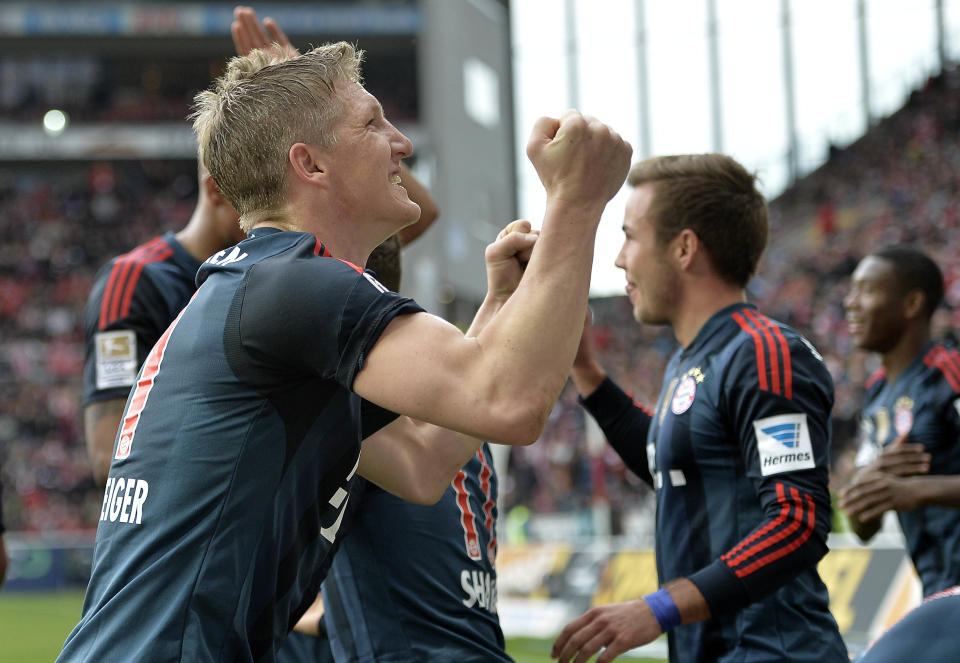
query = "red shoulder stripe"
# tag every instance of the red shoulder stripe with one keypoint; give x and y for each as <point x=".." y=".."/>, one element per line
<point x="135" y="276"/>
<point x="952" y="358"/>
<point x="119" y="279"/>
<point x="937" y="358"/>
<point x="758" y="347"/>
<point x="771" y="348"/>
<point x="808" y="527"/>
<point x="785" y="354"/>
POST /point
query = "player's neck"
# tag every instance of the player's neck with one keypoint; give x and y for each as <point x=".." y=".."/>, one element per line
<point x="200" y="237"/>
<point x="910" y="344"/>
<point x="699" y="302"/>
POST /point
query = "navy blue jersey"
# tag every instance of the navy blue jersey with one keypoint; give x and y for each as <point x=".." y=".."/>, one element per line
<point x="133" y="300"/>
<point x="417" y="583"/>
<point x="301" y="648"/>
<point x="232" y="467"/>
<point x="927" y="633"/>
<point x="738" y="452"/>
<point x="923" y="404"/>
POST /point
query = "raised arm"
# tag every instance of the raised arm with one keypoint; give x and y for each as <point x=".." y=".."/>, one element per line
<point x="502" y="385"/>
<point x="416" y="460"/>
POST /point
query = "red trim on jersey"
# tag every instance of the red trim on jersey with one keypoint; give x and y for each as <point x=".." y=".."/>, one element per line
<point x="123" y="278"/>
<point x="785" y="353"/>
<point x="784" y="512"/>
<point x="768" y="339"/>
<point x="793" y="545"/>
<point x="485" y="475"/>
<point x="757" y="346"/>
<point x="637" y="404"/>
<point x="133" y="266"/>
<point x="144" y="385"/>
<point x="470" y="538"/>
<point x="762" y="325"/>
<point x="803" y="520"/>
<point x="320" y="250"/>
<point x="347" y="262"/>
<point x="948" y="362"/>
<point x="878" y="375"/>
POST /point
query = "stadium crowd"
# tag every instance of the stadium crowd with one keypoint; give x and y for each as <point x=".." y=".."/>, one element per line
<point x="59" y="223"/>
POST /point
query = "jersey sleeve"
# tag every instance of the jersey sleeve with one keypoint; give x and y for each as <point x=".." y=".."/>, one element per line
<point x="624" y="422"/>
<point x="373" y="417"/>
<point x="779" y="399"/>
<point x="119" y="332"/>
<point x="317" y="316"/>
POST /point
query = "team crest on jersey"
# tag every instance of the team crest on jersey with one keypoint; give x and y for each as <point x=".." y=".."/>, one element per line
<point x="903" y="415"/>
<point x="116" y="358"/>
<point x="783" y="443"/>
<point x="684" y="395"/>
<point x="687" y="391"/>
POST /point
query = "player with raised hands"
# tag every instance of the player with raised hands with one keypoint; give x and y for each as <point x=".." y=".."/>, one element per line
<point x="234" y="463"/>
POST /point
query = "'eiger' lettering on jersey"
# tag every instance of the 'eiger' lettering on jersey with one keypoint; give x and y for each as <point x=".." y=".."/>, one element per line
<point x="223" y="258"/>
<point x="480" y="588"/>
<point x="123" y="500"/>
<point x="783" y="443"/>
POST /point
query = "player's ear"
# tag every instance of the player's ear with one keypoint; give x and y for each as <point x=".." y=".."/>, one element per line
<point x="914" y="304"/>
<point x="211" y="190"/>
<point x="307" y="162"/>
<point x="686" y="245"/>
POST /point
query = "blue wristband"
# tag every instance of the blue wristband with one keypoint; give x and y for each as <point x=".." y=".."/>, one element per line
<point x="664" y="609"/>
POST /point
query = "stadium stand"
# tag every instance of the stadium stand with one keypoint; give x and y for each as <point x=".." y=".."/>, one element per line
<point x="59" y="222"/>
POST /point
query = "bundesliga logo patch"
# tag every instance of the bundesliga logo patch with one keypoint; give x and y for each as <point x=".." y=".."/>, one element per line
<point x="783" y="444"/>
<point x="116" y="358"/>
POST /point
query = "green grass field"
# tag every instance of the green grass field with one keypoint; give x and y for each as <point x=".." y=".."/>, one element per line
<point x="33" y="627"/>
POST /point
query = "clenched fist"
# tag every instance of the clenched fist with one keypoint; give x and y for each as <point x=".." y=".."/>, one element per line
<point x="579" y="159"/>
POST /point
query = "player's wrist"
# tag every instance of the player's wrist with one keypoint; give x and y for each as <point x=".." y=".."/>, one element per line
<point x="664" y="609"/>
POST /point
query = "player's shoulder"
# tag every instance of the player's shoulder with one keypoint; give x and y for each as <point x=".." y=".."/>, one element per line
<point x="942" y="368"/>
<point x="771" y="355"/>
<point x="759" y="334"/>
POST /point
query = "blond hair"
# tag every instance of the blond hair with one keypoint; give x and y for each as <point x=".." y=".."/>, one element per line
<point x="264" y="103"/>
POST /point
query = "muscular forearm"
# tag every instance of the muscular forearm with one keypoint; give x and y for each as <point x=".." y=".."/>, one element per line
<point x="415" y="460"/>
<point x="530" y="344"/>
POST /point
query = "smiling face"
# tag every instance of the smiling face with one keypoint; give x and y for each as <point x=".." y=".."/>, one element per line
<point x="875" y="306"/>
<point x="652" y="281"/>
<point x="364" y="164"/>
